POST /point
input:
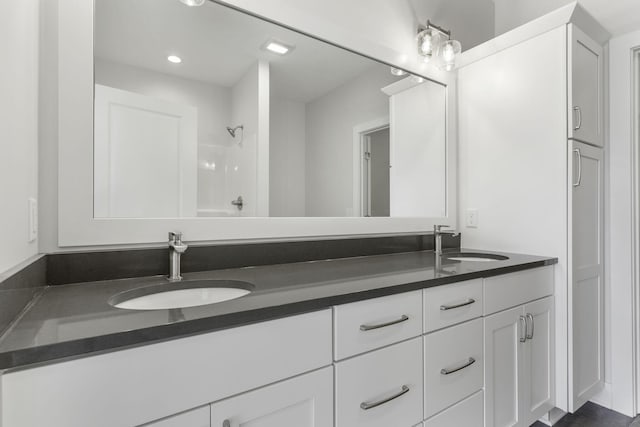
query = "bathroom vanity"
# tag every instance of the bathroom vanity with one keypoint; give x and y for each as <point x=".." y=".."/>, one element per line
<point x="369" y="341"/>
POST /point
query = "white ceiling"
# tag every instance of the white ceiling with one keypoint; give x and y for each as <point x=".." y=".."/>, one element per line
<point x="218" y="45"/>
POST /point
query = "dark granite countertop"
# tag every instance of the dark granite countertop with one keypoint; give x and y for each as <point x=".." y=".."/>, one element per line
<point x="75" y="320"/>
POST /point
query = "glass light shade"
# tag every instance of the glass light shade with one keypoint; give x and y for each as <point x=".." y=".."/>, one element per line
<point x="449" y="51"/>
<point x="192" y="2"/>
<point x="428" y="41"/>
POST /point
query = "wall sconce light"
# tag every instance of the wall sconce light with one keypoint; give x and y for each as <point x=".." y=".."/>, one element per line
<point x="435" y="43"/>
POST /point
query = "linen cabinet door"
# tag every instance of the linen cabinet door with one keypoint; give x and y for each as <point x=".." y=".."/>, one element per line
<point x="539" y="360"/>
<point x="305" y="401"/>
<point x="586" y="293"/>
<point x="503" y="343"/>
<point x="585" y="88"/>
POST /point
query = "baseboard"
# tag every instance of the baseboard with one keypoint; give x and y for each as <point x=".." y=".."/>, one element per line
<point x="604" y="397"/>
<point x="552" y="417"/>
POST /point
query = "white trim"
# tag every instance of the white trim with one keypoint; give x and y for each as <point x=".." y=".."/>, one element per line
<point x="358" y="132"/>
<point x="623" y="235"/>
<point x="76" y="225"/>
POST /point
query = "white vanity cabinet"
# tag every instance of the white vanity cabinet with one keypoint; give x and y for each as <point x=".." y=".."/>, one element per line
<point x="149" y="383"/>
<point x="586" y="87"/>
<point x="444" y="356"/>
<point x="519" y="349"/>
<point x="304" y="401"/>
<point x="198" y="417"/>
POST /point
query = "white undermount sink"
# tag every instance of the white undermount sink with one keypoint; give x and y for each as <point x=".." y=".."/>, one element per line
<point x="189" y="293"/>
<point x="474" y="256"/>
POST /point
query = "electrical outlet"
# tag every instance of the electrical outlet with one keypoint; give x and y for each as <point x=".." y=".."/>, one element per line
<point x="472" y="218"/>
<point x="33" y="219"/>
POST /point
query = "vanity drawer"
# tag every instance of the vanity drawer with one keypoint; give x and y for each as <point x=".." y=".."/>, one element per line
<point x="468" y="413"/>
<point x="450" y="304"/>
<point x="366" y="386"/>
<point x="453" y="365"/>
<point x="375" y="323"/>
<point x="510" y="290"/>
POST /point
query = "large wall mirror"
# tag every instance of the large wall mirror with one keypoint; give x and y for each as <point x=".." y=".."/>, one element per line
<point x="209" y="119"/>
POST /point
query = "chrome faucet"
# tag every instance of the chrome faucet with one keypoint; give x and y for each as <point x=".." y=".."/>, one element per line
<point x="176" y="248"/>
<point x="437" y="236"/>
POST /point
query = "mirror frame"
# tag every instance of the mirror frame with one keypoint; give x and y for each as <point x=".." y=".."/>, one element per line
<point x="78" y="227"/>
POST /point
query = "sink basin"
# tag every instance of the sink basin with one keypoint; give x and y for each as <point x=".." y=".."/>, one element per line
<point x="473" y="256"/>
<point x="188" y="293"/>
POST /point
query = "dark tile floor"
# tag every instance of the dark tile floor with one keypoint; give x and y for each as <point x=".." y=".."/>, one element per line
<point x="592" y="415"/>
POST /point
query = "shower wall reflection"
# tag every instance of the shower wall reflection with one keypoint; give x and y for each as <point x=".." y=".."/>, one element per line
<point x="196" y="117"/>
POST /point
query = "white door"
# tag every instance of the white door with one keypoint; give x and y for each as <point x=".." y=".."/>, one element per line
<point x="195" y="418"/>
<point x="585" y="88"/>
<point x="587" y="290"/>
<point x="503" y="348"/>
<point x="305" y="401"/>
<point x="538" y="395"/>
<point x="145" y="156"/>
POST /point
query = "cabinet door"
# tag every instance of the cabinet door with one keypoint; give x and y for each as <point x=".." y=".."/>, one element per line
<point x="195" y="418"/>
<point x="305" y="401"/>
<point x="585" y="88"/>
<point x="502" y="334"/>
<point x="587" y="285"/>
<point x="538" y="395"/>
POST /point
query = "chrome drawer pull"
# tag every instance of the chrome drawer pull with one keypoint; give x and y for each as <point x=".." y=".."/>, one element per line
<point x="528" y="335"/>
<point x="403" y="318"/>
<point x="369" y="405"/>
<point x="470" y="362"/>
<point x="523" y="329"/>
<point x="462" y="304"/>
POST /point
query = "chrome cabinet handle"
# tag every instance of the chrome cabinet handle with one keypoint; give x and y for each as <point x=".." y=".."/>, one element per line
<point x="528" y="335"/>
<point x="369" y="405"/>
<point x="226" y="423"/>
<point x="523" y="329"/>
<point x="445" y="371"/>
<point x="403" y="318"/>
<point x="451" y="307"/>
<point x="579" y="111"/>
<point x="577" y="151"/>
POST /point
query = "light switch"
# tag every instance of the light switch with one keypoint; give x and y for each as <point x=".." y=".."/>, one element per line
<point x="472" y="218"/>
<point x="33" y="219"/>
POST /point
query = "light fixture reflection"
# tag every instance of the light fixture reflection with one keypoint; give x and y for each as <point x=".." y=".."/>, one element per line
<point x="174" y="59"/>
<point x="397" y="71"/>
<point x="192" y="2"/>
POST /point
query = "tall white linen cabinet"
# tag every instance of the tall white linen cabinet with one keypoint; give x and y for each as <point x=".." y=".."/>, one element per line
<point x="531" y="139"/>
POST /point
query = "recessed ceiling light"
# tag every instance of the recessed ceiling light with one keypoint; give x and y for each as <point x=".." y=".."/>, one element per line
<point x="192" y="2"/>
<point x="277" y="47"/>
<point x="174" y="59"/>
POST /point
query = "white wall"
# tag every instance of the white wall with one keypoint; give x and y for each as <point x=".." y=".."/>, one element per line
<point x="18" y="127"/>
<point x="471" y="22"/>
<point x="510" y="14"/>
<point x="622" y="151"/>
<point x="330" y="122"/>
<point x="287" y="145"/>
